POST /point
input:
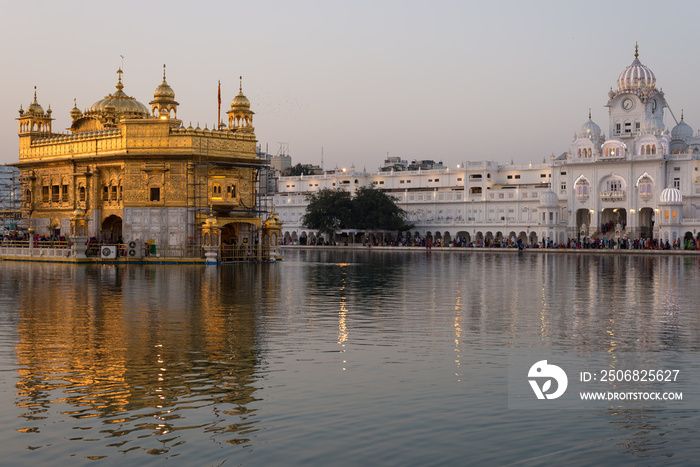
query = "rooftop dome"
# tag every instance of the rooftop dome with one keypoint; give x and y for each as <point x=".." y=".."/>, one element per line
<point x="549" y="199"/>
<point x="653" y="125"/>
<point x="671" y="196"/>
<point x="636" y="76"/>
<point x="682" y="130"/>
<point x="34" y="107"/>
<point x="164" y="91"/>
<point x="589" y="130"/>
<point x="120" y="103"/>
<point x="240" y="101"/>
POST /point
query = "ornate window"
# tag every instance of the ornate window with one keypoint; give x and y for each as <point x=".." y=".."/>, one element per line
<point x="582" y="188"/>
<point x="645" y="187"/>
<point x="64" y="191"/>
<point x="614" y="184"/>
<point x="216" y="191"/>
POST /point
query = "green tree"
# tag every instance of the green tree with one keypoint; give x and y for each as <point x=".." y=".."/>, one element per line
<point x="370" y="209"/>
<point x="375" y="210"/>
<point x="297" y="170"/>
<point x="328" y="210"/>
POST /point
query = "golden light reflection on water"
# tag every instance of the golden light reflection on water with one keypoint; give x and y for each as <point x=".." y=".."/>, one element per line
<point x="458" y="331"/>
<point x="342" y="314"/>
<point x="105" y="354"/>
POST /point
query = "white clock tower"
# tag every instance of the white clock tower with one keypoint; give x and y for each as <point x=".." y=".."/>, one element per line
<point x="636" y="103"/>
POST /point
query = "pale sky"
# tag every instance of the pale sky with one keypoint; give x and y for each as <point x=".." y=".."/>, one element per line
<point x="442" y="80"/>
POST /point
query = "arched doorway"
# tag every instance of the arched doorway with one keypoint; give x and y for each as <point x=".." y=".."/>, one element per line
<point x="646" y="223"/>
<point x="609" y="219"/>
<point x="111" y="231"/>
<point x="583" y="222"/>
<point x="447" y="238"/>
<point x="533" y="238"/>
<point x="229" y="234"/>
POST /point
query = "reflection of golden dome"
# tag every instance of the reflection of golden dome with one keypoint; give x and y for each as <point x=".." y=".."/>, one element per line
<point x="120" y="103"/>
<point x="164" y="91"/>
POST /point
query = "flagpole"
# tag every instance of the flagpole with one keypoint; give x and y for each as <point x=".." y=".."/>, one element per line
<point x="219" y="116"/>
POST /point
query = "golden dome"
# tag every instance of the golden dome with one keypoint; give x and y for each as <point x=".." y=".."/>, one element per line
<point x="75" y="111"/>
<point x="164" y="91"/>
<point x="120" y="103"/>
<point x="240" y="101"/>
<point x="34" y="107"/>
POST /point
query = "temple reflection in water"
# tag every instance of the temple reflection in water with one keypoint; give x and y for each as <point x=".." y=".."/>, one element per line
<point x="136" y="346"/>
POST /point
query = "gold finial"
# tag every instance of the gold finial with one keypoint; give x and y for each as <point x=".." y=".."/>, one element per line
<point x="636" y="49"/>
<point x="120" y="73"/>
<point x="240" y="86"/>
<point x="589" y="113"/>
<point x="34" y="92"/>
<point x="75" y="102"/>
<point x="681" y="115"/>
<point x="163" y="71"/>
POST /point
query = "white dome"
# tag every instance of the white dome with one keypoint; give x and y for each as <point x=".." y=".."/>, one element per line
<point x="589" y="130"/>
<point x="549" y="199"/>
<point x="636" y="76"/>
<point x="653" y="125"/>
<point x="671" y="196"/>
<point x="682" y="130"/>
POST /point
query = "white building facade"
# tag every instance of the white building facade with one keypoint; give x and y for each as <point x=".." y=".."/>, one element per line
<point x="641" y="181"/>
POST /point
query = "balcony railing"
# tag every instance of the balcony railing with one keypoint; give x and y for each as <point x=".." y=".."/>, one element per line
<point x="613" y="195"/>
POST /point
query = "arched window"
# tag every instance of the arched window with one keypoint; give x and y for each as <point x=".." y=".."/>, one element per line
<point x="645" y="187"/>
<point x="216" y="191"/>
<point x="81" y="193"/>
<point x="582" y="188"/>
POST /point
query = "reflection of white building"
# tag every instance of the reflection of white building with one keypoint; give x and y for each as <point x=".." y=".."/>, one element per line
<point x="640" y="181"/>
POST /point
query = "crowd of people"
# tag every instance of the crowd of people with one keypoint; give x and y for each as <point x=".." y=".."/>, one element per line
<point x="586" y="243"/>
<point x="40" y="241"/>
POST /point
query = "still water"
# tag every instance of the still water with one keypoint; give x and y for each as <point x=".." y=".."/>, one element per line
<point x="332" y="358"/>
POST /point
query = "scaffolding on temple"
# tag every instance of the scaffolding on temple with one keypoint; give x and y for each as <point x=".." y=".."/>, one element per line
<point x="10" y="200"/>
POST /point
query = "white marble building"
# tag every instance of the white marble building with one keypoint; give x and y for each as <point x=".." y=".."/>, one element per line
<point x="641" y="181"/>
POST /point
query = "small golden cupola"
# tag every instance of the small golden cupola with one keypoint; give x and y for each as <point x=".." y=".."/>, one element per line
<point x="163" y="102"/>
<point x="240" y="117"/>
<point x="34" y="119"/>
<point x="75" y="112"/>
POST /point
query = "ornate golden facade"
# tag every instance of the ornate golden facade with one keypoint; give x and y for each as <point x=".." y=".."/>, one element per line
<point x="140" y="174"/>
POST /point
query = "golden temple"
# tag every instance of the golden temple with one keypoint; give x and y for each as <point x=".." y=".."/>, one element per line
<point x="123" y="172"/>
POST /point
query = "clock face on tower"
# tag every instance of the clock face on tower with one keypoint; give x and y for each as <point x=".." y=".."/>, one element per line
<point x="627" y="103"/>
